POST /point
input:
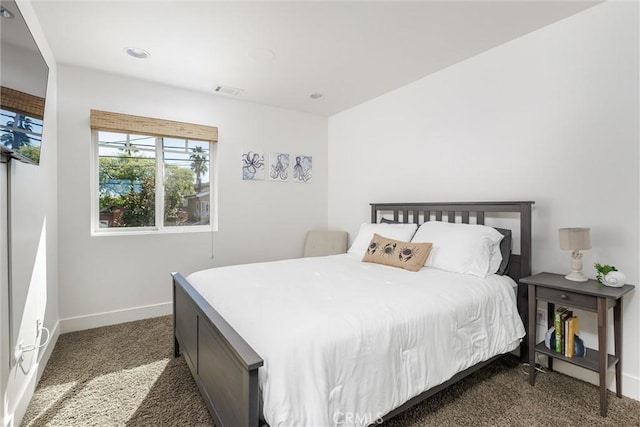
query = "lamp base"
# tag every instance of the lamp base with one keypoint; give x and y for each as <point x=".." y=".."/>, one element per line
<point x="576" y="268"/>
<point x="576" y="276"/>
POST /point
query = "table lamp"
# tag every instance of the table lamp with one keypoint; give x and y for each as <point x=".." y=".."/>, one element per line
<point x="576" y="240"/>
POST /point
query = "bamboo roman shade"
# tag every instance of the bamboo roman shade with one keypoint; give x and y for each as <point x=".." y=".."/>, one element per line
<point x="21" y="103"/>
<point x="126" y="123"/>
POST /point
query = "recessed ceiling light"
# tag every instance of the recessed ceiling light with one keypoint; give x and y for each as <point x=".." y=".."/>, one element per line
<point x="5" y="13"/>
<point x="315" y="95"/>
<point x="137" y="53"/>
<point x="228" y="90"/>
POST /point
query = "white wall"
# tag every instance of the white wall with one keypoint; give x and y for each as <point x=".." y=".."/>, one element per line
<point x="550" y="117"/>
<point x="34" y="253"/>
<point x="258" y="221"/>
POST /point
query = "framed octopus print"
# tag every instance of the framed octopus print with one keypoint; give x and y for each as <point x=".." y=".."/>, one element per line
<point x="302" y="168"/>
<point x="278" y="167"/>
<point x="253" y="166"/>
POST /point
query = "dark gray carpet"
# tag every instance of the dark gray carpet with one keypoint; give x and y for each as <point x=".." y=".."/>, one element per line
<point x="125" y="375"/>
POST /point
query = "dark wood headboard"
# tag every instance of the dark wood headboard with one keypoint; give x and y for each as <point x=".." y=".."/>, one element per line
<point x="519" y="265"/>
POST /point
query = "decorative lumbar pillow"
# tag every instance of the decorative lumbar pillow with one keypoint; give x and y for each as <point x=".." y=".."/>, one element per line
<point x="402" y="232"/>
<point x="396" y="253"/>
<point x="461" y="248"/>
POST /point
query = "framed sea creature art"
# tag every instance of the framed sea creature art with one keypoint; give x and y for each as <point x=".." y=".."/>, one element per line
<point x="253" y="166"/>
<point x="278" y="166"/>
<point x="302" y="168"/>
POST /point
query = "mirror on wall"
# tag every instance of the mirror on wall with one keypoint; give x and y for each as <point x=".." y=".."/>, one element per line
<point x="23" y="87"/>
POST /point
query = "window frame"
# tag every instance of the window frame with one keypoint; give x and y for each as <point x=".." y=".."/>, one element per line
<point x="159" y="227"/>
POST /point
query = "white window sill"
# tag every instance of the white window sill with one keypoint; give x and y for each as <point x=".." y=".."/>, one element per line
<point x="108" y="232"/>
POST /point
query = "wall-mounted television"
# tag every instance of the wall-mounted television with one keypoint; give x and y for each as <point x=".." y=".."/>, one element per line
<point x="23" y="87"/>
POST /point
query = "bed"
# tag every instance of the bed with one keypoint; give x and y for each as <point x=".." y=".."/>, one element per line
<point x="300" y="352"/>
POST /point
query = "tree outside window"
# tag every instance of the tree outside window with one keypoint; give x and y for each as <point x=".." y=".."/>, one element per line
<point x="128" y="167"/>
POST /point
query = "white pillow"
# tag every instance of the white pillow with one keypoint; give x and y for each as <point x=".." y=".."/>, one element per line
<point x="402" y="232"/>
<point x="461" y="248"/>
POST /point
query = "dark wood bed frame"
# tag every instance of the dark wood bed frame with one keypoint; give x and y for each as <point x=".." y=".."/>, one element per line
<point x="225" y="367"/>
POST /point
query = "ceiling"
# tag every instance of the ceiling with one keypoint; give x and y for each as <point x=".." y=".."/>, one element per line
<point x="279" y="53"/>
<point x="15" y="31"/>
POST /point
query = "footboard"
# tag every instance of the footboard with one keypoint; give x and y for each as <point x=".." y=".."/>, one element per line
<point x="223" y="365"/>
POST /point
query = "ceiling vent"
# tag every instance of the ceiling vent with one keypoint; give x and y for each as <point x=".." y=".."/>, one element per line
<point x="226" y="90"/>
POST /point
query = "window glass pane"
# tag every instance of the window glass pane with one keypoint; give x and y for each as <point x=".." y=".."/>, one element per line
<point x="127" y="171"/>
<point x="21" y="134"/>
<point x="137" y="145"/>
<point x="186" y="182"/>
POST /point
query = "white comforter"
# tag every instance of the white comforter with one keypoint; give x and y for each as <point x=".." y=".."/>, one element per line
<point x="344" y="342"/>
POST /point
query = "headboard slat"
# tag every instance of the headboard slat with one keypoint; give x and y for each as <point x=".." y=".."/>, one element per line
<point x="465" y="208"/>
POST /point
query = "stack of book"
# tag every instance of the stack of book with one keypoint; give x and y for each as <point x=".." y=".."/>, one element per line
<point x="566" y="328"/>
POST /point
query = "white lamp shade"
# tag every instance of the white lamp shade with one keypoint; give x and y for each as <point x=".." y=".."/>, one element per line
<point x="575" y="239"/>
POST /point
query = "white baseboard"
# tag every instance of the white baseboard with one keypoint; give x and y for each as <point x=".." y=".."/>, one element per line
<point x="97" y="320"/>
<point x="630" y="384"/>
<point x="32" y="379"/>
<point x="22" y="402"/>
<point x="43" y="357"/>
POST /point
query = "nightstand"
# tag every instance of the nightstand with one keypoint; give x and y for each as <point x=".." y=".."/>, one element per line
<point x="589" y="296"/>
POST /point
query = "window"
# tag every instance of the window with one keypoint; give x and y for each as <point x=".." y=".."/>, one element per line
<point x="21" y="133"/>
<point x="21" y="116"/>
<point x="151" y="182"/>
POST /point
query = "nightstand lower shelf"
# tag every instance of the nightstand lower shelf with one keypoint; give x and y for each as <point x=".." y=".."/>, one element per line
<point x="590" y="361"/>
